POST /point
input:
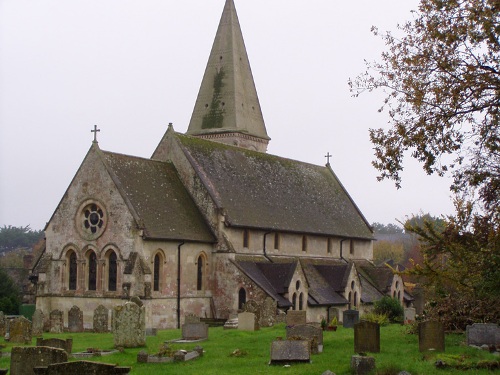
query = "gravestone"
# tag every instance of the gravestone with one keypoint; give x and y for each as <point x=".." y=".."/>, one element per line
<point x="307" y="332"/>
<point x="24" y="359"/>
<point x="431" y="336"/>
<point x="252" y="306"/>
<point x="350" y="318"/>
<point x="362" y="365"/>
<point x="294" y="317"/>
<point x="3" y="324"/>
<point x="410" y="314"/>
<point x="195" y="331"/>
<point x="483" y="334"/>
<point x="289" y="351"/>
<point x="20" y="330"/>
<point x="268" y="312"/>
<point x="37" y="323"/>
<point x="101" y="319"/>
<point x="366" y="337"/>
<point x="191" y="318"/>
<point x="56" y="321"/>
<point x="333" y="312"/>
<point x="129" y="325"/>
<point x="66" y="345"/>
<point x="75" y="319"/>
<point x="82" y="367"/>
<point x="247" y="321"/>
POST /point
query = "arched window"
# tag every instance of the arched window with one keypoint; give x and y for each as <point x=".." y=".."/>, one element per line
<point x="394" y="294"/>
<point x="199" y="277"/>
<point x="242" y="298"/>
<point x="350" y="298"/>
<point x="246" y="238"/>
<point x="92" y="271"/>
<point x="276" y="241"/>
<point x="399" y="295"/>
<point x="294" y="301"/>
<point x="304" y="243"/>
<point x="72" y="268"/>
<point x="301" y="301"/>
<point x="352" y="284"/>
<point x="112" y="271"/>
<point x="355" y="299"/>
<point x="156" y="272"/>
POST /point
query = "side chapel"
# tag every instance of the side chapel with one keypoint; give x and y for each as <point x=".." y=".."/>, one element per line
<point x="211" y="220"/>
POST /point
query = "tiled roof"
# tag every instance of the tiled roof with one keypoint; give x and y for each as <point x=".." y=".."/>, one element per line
<point x="381" y="277"/>
<point x="321" y="291"/>
<point x="259" y="190"/>
<point x="160" y="202"/>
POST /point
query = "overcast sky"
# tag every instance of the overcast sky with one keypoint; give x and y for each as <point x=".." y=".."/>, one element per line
<point x="131" y="67"/>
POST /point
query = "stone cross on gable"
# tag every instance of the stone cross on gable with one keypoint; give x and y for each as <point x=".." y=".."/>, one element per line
<point x="328" y="156"/>
<point x="95" y="133"/>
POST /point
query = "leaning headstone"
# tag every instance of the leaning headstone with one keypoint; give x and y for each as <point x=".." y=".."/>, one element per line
<point x="82" y="367"/>
<point x="431" y="336"/>
<point x="307" y="332"/>
<point x="129" y="325"/>
<point x="268" y="312"/>
<point x="247" y="321"/>
<point x="56" y="321"/>
<point x="350" y="318"/>
<point x="24" y="359"/>
<point x="37" y="323"/>
<point x="294" y="317"/>
<point x="362" y="365"/>
<point x="66" y="345"/>
<point x="366" y="337"/>
<point x="75" y="319"/>
<point x="195" y="331"/>
<point x="20" y="330"/>
<point x="191" y="318"/>
<point x="3" y="324"/>
<point x="290" y="351"/>
<point x="101" y="319"/>
<point x="480" y="334"/>
<point x="410" y="314"/>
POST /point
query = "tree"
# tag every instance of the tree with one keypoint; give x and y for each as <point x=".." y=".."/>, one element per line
<point x="12" y="238"/>
<point x="384" y="250"/>
<point x="9" y="295"/>
<point x="442" y="86"/>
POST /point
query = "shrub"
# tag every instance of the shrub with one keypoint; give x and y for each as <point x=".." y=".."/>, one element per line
<point x="391" y="307"/>
<point x="381" y="319"/>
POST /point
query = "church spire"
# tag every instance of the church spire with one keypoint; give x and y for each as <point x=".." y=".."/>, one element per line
<point x="227" y="109"/>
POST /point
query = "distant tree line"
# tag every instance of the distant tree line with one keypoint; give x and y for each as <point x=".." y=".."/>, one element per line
<point x="12" y="238"/>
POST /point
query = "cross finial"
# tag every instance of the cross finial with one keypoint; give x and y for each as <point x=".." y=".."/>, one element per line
<point x="95" y="133"/>
<point x="328" y="156"/>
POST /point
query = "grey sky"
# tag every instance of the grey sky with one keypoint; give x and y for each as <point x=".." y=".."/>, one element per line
<point x="131" y="67"/>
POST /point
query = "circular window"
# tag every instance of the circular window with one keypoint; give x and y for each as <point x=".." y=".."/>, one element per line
<point x="91" y="220"/>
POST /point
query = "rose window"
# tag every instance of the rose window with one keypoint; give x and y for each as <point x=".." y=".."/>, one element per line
<point x="93" y="220"/>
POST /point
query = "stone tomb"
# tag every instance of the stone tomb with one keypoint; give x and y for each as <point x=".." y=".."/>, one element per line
<point x="24" y="359"/>
<point x="56" y="321"/>
<point x="294" y="318"/>
<point x="129" y="325"/>
<point x="480" y="334"/>
<point x="75" y="319"/>
<point x="194" y="331"/>
<point x="431" y="336"/>
<point x="307" y="332"/>
<point x="81" y="367"/>
<point x="37" y="323"/>
<point x="66" y="345"/>
<point x="101" y="320"/>
<point x="350" y="318"/>
<point x="20" y="330"/>
<point x="366" y="337"/>
<point x="247" y="321"/>
<point x="290" y="351"/>
<point x="410" y="314"/>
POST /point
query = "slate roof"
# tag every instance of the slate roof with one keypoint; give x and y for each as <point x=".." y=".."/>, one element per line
<point x="258" y="190"/>
<point x="321" y="290"/>
<point x="380" y="277"/>
<point x="157" y="198"/>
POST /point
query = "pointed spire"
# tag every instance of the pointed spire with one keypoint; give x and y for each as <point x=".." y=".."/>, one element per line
<point x="227" y="109"/>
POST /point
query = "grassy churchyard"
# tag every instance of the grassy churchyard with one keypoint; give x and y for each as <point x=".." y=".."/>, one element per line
<point x="399" y="351"/>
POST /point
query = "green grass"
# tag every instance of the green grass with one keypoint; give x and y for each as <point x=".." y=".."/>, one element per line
<point x="399" y="351"/>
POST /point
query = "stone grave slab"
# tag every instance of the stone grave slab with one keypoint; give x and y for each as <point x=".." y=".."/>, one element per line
<point x="307" y="332"/>
<point x="56" y="321"/>
<point x="129" y="325"/>
<point x="101" y="319"/>
<point x="350" y="318"/>
<point x="431" y="336"/>
<point x="247" y="321"/>
<point x="290" y="351"/>
<point x="410" y="315"/>
<point x="75" y="319"/>
<point x="66" y="345"/>
<point x="20" y="330"/>
<point x="195" y="331"/>
<point x="366" y="337"/>
<point x="294" y="317"/>
<point x="362" y="365"/>
<point x="37" y="323"/>
<point x="24" y="359"/>
<point x="483" y="334"/>
<point x="82" y="367"/>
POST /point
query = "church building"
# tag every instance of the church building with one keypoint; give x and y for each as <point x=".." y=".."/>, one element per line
<point x="211" y="220"/>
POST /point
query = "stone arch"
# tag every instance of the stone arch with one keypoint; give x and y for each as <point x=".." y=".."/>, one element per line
<point x="301" y="301"/>
<point x="242" y="298"/>
<point x="111" y="270"/>
<point x="201" y="271"/>
<point x="91" y="269"/>
<point x="294" y="301"/>
<point x="71" y="276"/>
<point x="158" y="260"/>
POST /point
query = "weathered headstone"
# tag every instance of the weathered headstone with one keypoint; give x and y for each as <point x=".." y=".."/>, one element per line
<point x="431" y="336"/>
<point x="191" y="318"/>
<point x="253" y="307"/>
<point x="247" y="321"/>
<point x="3" y="324"/>
<point x="307" y="332"/>
<point x="294" y="317"/>
<point x="268" y="312"/>
<point x="483" y="334"/>
<point x="350" y="318"/>
<point x="37" y="323"/>
<point x="82" y="367"/>
<point x="56" y="321"/>
<point x="20" y="330"/>
<point x="195" y="331"/>
<point x="101" y="319"/>
<point x="75" y="319"/>
<point x="289" y="351"/>
<point x="410" y="314"/>
<point x="333" y="312"/>
<point x="362" y="365"/>
<point x="129" y="325"/>
<point x="24" y="359"/>
<point x="66" y="345"/>
<point x="366" y="337"/>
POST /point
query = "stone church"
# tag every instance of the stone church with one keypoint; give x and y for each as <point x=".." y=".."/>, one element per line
<point x="211" y="220"/>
